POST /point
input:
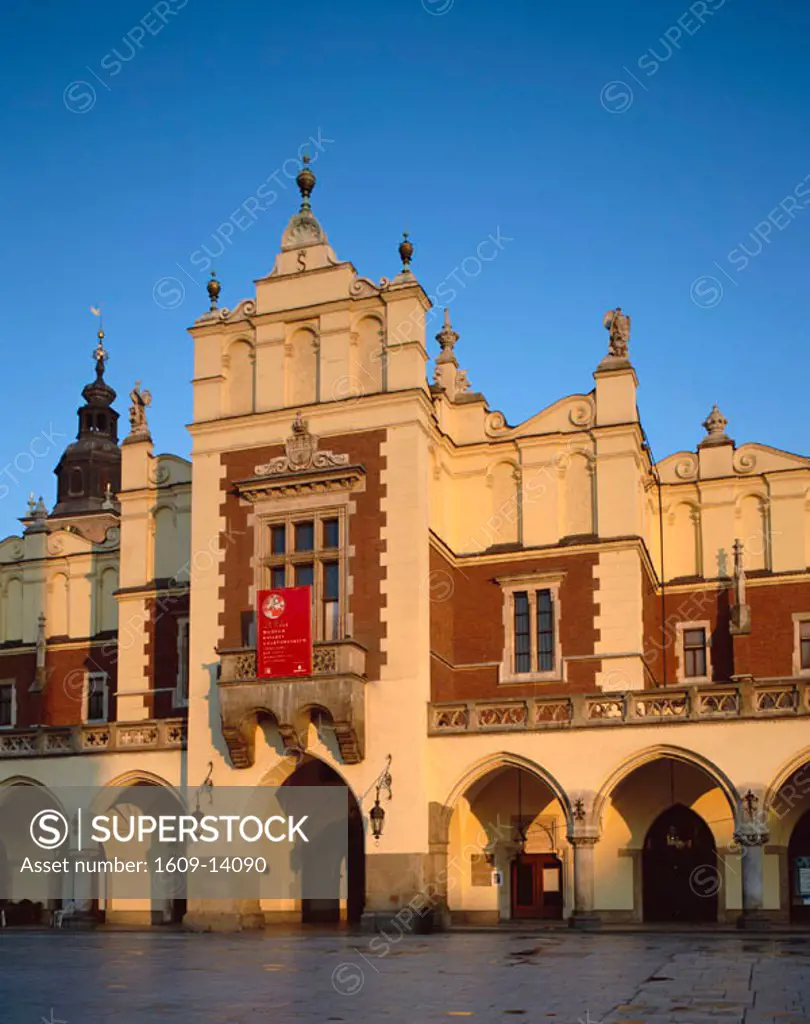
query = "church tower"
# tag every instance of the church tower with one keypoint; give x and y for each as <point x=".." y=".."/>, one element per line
<point x="89" y="471"/>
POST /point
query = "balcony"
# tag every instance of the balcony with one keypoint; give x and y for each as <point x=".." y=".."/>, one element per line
<point x="710" y="702"/>
<point x="336" y="686"/>
<point x="106" y="738"/>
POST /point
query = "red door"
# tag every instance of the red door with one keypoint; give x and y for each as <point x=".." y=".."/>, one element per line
<point x="537" y="886"/>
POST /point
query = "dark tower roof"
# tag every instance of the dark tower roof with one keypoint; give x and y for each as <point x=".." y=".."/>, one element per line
<point x="90" y="467"/>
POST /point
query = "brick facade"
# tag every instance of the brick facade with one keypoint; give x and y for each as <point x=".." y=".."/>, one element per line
<point x="365" y="527"/>
<point x="466" y="614"/>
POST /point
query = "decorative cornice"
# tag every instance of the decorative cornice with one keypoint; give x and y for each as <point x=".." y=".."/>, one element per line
<point x="319" y="481"/>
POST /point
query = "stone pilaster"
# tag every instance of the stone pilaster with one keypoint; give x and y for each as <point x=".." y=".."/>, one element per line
<point x="752" y="837"/>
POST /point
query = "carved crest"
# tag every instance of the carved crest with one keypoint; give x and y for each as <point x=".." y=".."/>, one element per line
<point x="302" y="454"/>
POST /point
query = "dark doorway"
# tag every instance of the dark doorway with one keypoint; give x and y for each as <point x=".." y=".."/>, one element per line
<point x="799" y="867"/>
<point x="679" y="868"/>
<point x="537" y="886"/>
<point x="313" y="772"/>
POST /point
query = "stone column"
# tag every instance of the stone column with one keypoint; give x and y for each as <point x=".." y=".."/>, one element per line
<point x="752" y="838"/>
<point x="584" y="915"/>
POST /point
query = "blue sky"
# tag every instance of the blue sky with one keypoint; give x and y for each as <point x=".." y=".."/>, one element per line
<point x="640" y="154"/>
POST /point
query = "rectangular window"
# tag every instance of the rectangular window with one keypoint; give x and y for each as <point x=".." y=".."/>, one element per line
<point x="278" y="543"/>
<point x="804" y="644"/>
<point x="545" y="631"/>
<point x="330" y="592"/>
<point x="309" y="552"/>
<point x="533" y="620"/>
<point x="6" y="705"/>
<point x="331" y="533"/>
<point x="304" y="536"/>
<point x="694" y="653"/>
<point x="181" y="687"/>
<point x="523" y="652"/>
<point x="95" y="697"/>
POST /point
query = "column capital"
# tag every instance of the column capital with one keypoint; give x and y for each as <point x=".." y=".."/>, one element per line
<point x="751" y="834"/>
<point x="583" y="836"/>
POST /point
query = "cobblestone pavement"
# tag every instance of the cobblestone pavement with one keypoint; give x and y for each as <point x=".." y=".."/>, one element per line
<point x="487" y="978"/>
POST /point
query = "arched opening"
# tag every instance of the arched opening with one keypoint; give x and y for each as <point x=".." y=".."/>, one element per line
<point x="679" y="868"/>
<point x="122" y="896"/>
<point x="508" y="847"/>
<point x="313" y="772"/>
<point x="799" y="870"/>
<point x="663" y="816"/>
<point x="27" y="899"/>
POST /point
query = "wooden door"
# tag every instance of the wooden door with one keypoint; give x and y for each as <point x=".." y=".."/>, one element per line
<point x="537" y="886"/>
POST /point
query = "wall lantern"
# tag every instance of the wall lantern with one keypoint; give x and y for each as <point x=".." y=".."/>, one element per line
<point x="377" y="813"/>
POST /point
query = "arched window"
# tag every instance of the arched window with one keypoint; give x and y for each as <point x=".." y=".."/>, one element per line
<point x="239" y="362"/>
<point x="14" y="610"/>
<point x="76" y="482"/>
<point x="303" y="368"/>
<point x="369" y="356"/>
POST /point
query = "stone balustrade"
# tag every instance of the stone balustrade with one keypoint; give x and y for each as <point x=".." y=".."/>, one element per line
<point x="708" y="702"/>
<point x="107" y="737"/>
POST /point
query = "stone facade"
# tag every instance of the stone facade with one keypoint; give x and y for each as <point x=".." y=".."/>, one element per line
<point x="580" y="687"/>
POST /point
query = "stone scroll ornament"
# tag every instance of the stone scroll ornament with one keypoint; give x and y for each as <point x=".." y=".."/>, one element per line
<point x="301" y="454"/>
<point x="618" y="324"/>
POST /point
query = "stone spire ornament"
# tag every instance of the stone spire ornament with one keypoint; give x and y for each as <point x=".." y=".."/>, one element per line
<point x="447" y="376"/>
<point x="740" y="621"/>
<point x="617" y="324"/>
<point x="214" y="288"/>
<point x="447" y="339"/>
<point x="715" y="426"/>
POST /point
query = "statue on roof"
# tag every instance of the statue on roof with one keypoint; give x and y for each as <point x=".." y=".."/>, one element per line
<point x="618" y="324"/>
<point x="137" y="411"/>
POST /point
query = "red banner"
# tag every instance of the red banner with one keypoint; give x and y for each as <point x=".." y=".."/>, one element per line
<point x="284" y="632"/>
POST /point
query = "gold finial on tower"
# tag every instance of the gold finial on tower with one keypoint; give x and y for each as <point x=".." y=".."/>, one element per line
<point x="406" y="252"/>
<point x="214" y="288"/>
<point x="306" y="181"/>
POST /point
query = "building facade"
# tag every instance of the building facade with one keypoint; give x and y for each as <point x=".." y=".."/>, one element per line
<point x="578" y="681"/>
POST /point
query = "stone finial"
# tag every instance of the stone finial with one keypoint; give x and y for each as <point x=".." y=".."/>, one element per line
<point x="617" y="324"/>
<point x="715" y="426"/>
<point x="32" y="503"/>
<point x="447" y="339"/>
<point x="214" y="288"/>
<point x="137" y="412"/>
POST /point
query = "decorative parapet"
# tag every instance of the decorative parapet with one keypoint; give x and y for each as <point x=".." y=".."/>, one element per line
<point x="338" y="657"/>
<point x="710" y="702"/>
<point x="111" y="737"/>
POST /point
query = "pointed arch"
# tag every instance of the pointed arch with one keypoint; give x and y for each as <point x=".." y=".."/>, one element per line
<point x="659" y="752"/>
<point x="506" y="759"/>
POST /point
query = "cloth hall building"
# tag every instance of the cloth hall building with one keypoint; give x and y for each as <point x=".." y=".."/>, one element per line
<point x="579" y="681"/>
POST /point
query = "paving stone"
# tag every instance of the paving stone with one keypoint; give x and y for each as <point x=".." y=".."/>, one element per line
<point x="313" y="977"/>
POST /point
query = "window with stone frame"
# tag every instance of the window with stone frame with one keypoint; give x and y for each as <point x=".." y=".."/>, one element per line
<point x="308" y="549"/>
<point x="181" y="684"/>
<point x="693" y="651"/>
<point x="8" y="705"/>
<point x="531" y="629"/>
<point x="96" y="697"/>
<point x="801" y="644"/>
